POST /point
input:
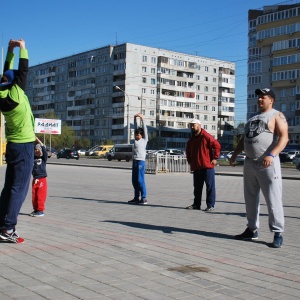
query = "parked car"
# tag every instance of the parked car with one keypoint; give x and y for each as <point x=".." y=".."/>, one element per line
<point x="120" y="152"/>
<point x="81" y="152"/>
<point x="223" y="154"/>
<point x="293" y="153"/>
<point x="91" y="150"/>
<point x="228" y="156"/>
<point x="68" y="153"/>
<point x="284" y="157"/>
<point x="296" y="159"/>
<point x="102" y="150"/>
<point x="49" y="152"/>
<point x="241" y="157"/>
<point x="173" y="152"/>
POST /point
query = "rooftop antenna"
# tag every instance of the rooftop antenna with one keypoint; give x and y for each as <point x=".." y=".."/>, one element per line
<point x="116" y="38"/>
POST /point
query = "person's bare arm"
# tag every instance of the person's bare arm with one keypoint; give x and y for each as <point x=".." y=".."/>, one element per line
<point x="239" y="148"/>
<point x="281" y="128"/>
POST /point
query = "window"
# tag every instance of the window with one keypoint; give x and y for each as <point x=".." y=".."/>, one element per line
<point x="144" y="58"/>
<point x="152" y="112"/>
<point x="153" y="60"/>
<point x="144" y="79"/>
<point x="152" y="80"/>
<point x="144" y="69"/>
<point x="153" y="71"/>
<point x="143" y="90"/>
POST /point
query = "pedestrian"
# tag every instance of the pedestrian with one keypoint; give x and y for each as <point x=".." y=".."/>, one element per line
<point x="266" y="135"/>
<point x="202" y="152"/>
<point x="138" y="162"/>
<point x="19" y="130"/>
<point x="39" y="181"/>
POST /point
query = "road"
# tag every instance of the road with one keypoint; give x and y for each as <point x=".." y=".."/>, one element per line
<point x="292" y="173"/>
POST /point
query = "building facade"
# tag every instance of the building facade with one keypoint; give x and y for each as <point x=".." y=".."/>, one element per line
<point x="274" y="61"/>
<point x="99" y="91"/>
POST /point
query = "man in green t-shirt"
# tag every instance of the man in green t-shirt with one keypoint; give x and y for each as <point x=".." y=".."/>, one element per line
<point x="19" y="131"/>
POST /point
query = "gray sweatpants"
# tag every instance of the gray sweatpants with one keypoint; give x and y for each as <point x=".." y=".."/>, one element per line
<point x="269" y="181"/>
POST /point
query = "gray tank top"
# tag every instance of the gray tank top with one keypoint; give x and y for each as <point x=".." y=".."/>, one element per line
<point x="258" y="139"/>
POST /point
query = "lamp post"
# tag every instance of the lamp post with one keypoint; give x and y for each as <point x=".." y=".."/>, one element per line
<point x="128" y="124"/>
<point x="141" y="98"/>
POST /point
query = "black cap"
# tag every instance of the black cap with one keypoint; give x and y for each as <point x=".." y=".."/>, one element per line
<point x="265" y="91"/>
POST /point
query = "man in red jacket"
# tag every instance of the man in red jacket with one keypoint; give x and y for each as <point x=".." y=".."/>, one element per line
<point x="202" y="152"/>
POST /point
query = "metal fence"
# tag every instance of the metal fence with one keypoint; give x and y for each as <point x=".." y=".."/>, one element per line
<point x="160" y="163"/>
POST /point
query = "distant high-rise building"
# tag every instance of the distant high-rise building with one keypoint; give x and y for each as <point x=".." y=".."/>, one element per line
<point x="93" y="92"/>
<point x="274" y="61"/>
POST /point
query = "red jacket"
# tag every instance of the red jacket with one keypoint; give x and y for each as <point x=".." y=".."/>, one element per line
<point x="201" y="150"/>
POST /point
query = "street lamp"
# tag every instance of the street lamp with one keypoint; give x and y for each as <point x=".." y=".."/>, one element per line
<point x="128" y="124"/>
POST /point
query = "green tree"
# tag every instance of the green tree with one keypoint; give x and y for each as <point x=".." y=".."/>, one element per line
<point x="83" y="143"/>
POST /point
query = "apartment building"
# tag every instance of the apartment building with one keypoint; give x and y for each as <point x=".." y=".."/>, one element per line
<point x="274" y="61"/>
<point x="97" y="92"/>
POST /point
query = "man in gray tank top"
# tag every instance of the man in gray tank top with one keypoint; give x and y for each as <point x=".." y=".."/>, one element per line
<point x="266" y="135"/>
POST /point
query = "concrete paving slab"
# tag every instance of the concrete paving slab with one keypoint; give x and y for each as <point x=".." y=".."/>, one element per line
<point x="92" y="245"/>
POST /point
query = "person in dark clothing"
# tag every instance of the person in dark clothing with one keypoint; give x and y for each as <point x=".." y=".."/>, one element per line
<point x="19" y="131"/>
<point x="39" y="181"/>
<point x="202" y="152"/>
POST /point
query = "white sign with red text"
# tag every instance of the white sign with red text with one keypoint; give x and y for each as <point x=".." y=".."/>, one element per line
<point x="48" y="126"/>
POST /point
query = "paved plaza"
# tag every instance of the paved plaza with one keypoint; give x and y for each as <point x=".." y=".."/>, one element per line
<point x="92" y="245"/>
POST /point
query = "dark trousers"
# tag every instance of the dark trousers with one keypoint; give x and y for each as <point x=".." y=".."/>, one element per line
<point x="207" y="176"/>
<point x="19" y="159"/>
<point x="138" y="179"/>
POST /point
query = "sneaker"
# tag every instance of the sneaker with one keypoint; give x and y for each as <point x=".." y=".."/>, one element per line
<point x="38" y="214"/>
<point x="278" y="239"/>
<point x="209" y="209"/>
<point x="143" y="201"/>
<point x="32" y="213"/>
<point x="133" y="201"/>
<point x="9" y="237"/>
<point x="193" y="206"/>
<point x="248" y="234"/>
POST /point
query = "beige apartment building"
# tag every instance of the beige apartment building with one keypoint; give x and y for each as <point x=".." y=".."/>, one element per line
<point x="97" y="92"/>
<point x="274" y="61"/>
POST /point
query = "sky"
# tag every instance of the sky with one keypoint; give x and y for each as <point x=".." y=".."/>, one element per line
<point x="216" y="29"/>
